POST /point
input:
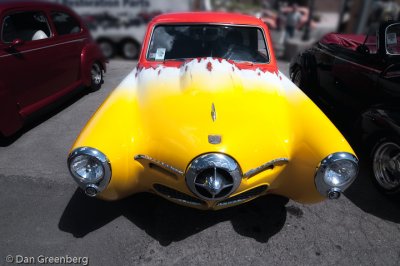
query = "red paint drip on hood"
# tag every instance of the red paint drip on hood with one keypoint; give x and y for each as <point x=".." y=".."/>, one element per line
<point x="177" y="64"/>
<point x="209" y="66"/>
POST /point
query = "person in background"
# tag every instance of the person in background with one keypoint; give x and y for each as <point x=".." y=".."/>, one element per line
<point x="292" y="21"/>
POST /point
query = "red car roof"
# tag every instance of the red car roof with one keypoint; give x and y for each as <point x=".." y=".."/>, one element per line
<point x="208" y="17"/>
<point x="204" y="17"/>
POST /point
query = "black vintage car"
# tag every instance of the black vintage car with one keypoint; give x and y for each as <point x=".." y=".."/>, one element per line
<point x="359" y="76"/>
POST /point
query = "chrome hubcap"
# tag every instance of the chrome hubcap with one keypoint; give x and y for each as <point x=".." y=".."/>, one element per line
<point x="96" y="74"/>
<point x="386" y="165"/>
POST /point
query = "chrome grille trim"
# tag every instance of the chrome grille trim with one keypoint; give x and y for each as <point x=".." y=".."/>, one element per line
<point x="245" y="196"/>
<point x="165" y="166"/>
<point x="205" y="169"/>
<point x="265" y="166"/>
<point x="176" y="195"/>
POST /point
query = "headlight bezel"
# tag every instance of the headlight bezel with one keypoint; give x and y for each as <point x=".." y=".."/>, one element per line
<point x="99" y="184"/>
<point x="323" y="187"/>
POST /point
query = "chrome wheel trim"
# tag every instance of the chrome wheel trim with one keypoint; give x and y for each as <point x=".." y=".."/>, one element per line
<point x="386" y="165"/>
<point x="130" y="50"/>
<point x="96" y="74"/>
<point x="297" y="78"/>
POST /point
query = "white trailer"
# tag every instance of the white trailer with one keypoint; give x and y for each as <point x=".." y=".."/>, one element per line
<point x="119" y="25"/>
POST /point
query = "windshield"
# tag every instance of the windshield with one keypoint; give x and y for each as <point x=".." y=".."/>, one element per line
<point x="393" y="39"/>
<point x="179" y="42"/>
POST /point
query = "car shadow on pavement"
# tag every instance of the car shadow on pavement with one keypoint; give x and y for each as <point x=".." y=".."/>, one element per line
<point x="168" y="222"/>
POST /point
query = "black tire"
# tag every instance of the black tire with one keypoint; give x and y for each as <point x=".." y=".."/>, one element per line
<point x="96" y="76"/>
<point x="107" y="48"/>
<point x="297" y="77"/>
<point x="129" y="49"/>
<point x="385" y="165"/>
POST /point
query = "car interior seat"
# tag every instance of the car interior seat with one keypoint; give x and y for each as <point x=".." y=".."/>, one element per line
<point x="39" y="35"/>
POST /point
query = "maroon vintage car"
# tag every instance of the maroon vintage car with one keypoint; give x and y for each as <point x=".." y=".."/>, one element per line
<point x="46" y="52"/>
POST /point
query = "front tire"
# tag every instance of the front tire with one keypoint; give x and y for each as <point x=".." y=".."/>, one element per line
<point x="96" y="77"/>
<point x="386" y="166"/>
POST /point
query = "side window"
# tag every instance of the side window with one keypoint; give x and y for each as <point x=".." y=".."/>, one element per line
<point x="262" y="48"/>
<point x="64" y="23"/>
<point x="27" y="26"/>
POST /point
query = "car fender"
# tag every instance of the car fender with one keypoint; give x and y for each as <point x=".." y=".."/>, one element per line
<point x="90" y="54"/>
<point x="10" y="119"/>
<point x="308" y="67"/>
<point x="379" y="122"/>
<point x="308" y="146"/>
<point x="119" y="140"/>
<point x="295" y="63"/>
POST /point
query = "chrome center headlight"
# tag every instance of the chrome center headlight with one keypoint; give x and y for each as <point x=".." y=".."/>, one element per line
<point x="336" y="173"/>
<point x="90" y="168"/>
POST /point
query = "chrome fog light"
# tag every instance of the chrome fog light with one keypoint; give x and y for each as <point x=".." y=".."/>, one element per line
<point x="335" y="174"/>
<point x="90" y="168"/>
<point x="334" y="193"/>
<point x="91" y="190"/>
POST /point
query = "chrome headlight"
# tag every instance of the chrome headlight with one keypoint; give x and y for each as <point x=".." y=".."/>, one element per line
<point x="336" y="173"/>
<point x="90" y="168"/>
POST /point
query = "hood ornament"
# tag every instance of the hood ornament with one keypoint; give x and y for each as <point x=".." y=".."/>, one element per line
<point x="213" y="112"/>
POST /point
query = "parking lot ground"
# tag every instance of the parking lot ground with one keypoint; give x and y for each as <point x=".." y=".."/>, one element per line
<point x="43" y="214"/>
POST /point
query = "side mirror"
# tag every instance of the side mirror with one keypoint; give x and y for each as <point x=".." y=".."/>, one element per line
<point x="16" y="43"/>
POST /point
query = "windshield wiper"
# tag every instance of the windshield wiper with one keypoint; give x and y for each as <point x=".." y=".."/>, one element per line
<point x="176" y="59"/>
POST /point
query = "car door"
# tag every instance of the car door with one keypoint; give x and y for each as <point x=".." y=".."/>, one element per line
<point x="70" y="40"/>
<point x="355" y="79"/>
<point x="389" y="83"/>
<point x="28" y="57"/>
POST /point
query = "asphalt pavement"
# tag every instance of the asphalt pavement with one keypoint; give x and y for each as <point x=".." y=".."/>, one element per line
<point x="45" y="219"/>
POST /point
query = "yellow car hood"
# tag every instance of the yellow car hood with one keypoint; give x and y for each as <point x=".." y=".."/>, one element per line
<point x="181" y="107"/>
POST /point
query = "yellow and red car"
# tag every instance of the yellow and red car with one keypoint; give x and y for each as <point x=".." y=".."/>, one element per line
<point x="207" y="120"/>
